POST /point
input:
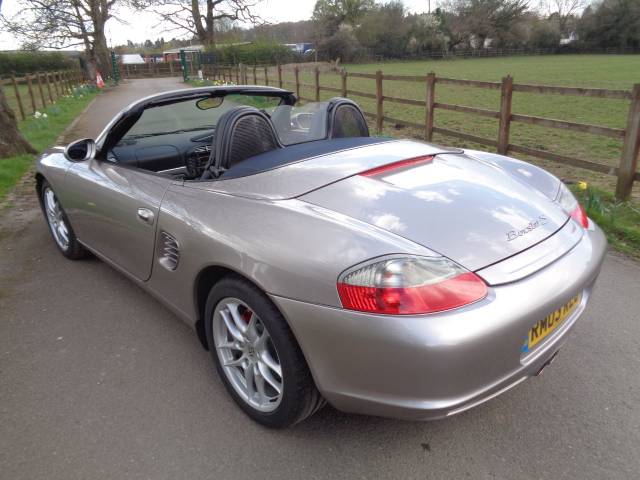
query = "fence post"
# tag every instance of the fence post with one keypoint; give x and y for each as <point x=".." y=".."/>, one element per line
<point x="46" y="77"/>
<point x="237" y="75"/>
<point x="32" y="97"/>
<point x="430" y="100"/>
<point x="54" y="75"/>
<point x="505" y="114"/>
<point x="317" y="77"/>
<point x="18" y="99"/>
<point x="266" y="76"/>
<point x="343" y="78"/>
<point x="279" y="76"/>
<point x="630" y="148"/>
<point x="296" y="71"/>
<point x="41" y="90"/>
<point x="379" y="100"/>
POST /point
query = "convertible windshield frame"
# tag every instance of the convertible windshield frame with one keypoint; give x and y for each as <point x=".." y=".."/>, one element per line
<point x="122" y="123"/>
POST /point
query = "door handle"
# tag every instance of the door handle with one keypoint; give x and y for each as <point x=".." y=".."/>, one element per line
<point x="146" y="215"/>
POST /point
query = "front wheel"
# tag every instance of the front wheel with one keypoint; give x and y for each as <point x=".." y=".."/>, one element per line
<point x="59" y="225"/>
<point x="257" y="356"/>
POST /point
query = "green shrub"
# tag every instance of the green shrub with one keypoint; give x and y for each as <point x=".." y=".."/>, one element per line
<point x="253" y="53"/>
<point x="28" y="62"/>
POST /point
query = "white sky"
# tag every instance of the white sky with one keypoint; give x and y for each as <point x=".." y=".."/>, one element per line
<point x="141" y="26"/>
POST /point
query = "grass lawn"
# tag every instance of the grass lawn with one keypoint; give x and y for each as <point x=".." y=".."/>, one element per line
<point x="42" y="133"/>
<point x="601" y="71"/>
<point x="619" y="220"/>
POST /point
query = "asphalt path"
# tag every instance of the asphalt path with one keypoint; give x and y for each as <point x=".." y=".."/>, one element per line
<point x="100" y="381"/>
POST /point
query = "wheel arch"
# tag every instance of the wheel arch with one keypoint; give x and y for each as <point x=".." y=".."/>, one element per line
<point x="40" y="179"/>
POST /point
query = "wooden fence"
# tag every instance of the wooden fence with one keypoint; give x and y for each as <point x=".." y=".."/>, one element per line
<point x="42" y="88"/>
<point x="626" y="171"/>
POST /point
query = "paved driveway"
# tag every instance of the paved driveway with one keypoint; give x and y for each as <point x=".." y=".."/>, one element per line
<point x="99" y="381"/>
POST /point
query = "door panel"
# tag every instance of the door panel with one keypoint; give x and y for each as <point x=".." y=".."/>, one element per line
<point x="114" y="210"/>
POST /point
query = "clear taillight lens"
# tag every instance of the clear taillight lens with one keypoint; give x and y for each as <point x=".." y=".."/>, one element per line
<point x="570" y="205"/>
<point x="409" y="286"/>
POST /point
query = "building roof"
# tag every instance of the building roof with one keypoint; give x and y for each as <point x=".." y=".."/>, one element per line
<point x="190" y="48"/>
<point x="130" y="58"/>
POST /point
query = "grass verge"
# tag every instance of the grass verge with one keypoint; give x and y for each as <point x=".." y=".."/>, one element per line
<point x="619" y="220"/>
<point x="42" y="132"/>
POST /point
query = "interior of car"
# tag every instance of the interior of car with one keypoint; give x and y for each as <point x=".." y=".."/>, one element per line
<point x="238" y="134"/>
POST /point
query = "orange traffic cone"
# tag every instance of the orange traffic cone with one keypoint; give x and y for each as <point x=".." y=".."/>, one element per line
<point x="99" y="81"/>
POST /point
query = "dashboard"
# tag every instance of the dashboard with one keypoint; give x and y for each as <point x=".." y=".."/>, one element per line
<point x="164" y="153"/>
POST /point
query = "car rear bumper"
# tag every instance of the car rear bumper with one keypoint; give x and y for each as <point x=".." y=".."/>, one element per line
<point x="432" y="366"/>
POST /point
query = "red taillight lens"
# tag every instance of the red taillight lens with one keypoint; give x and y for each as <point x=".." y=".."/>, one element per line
<point x="570" y="205"/>
<point x="409" y="286"/>
<point x="580" y="216"/>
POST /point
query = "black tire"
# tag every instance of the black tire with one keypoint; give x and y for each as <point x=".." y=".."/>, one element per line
<point x="300" y="398"/>
<point x="74" y="250"/>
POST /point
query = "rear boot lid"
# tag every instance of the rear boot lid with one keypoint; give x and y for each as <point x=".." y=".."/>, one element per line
<point x="473" y="212"/>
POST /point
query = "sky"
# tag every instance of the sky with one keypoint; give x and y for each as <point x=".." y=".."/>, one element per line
<point x="144" y="25"/>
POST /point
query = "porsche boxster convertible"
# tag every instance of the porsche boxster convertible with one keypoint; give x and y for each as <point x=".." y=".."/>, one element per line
<point x="320" y="264"/>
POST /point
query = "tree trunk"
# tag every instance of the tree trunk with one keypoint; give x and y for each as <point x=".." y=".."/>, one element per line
<point x="101" y="54"/>
<point x="11" y="140"/>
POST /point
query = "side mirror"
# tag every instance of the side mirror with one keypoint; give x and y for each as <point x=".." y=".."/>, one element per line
<point x="81" y="150"/>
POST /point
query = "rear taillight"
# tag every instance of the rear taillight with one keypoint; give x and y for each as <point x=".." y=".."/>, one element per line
<point x="570" y="205"/>
<point x="402" y="285"/>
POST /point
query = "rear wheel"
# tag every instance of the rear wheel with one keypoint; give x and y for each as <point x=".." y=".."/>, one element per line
<point x="257" y="357"/>
<point x="59" y="225"/>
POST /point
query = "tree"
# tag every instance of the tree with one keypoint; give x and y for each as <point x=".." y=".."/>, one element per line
<point x="483" y="19"/>
<point x="563" y="11"/>
<point x="612" y="23"/>
<point x="385" y="30"/>
<point x="66" y="23"/>
<point x="11" y="140"/>
<point x="200" y="18"/>
<point x="330" y="14"/>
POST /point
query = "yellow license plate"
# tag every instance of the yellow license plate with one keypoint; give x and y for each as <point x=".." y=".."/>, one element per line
<point x="544" y="327"/>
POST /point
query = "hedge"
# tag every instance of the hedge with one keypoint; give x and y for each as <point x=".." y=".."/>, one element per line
<point x="27" y="62"/>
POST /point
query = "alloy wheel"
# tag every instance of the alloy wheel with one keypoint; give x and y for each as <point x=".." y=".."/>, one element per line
<point x="247" y="355"/>
<point x="56" y="219"/>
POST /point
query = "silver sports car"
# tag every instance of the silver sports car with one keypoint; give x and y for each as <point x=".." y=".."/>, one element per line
<point x="319" y="264"/>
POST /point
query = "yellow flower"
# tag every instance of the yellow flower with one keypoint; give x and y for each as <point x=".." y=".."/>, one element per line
<point x="582" y="185"/>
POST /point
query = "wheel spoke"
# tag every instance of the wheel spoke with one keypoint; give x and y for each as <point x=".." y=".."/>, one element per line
<point x="268" y="376"/>
<point x="64" y="234"/>
<point x="249" y="376"/>
<point x="235" y="363"/>
<point x="231" y="326"/>
<point x="240" y="324"/>
<point x="269" y="361"/>
<point x="230" y="346"/>
<point x="260" y="387"/>
<point x="251" y="332"/>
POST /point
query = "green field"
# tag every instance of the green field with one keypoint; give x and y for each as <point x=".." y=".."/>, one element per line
<point x="598" y="71"/>
<point x="42" y="133"/>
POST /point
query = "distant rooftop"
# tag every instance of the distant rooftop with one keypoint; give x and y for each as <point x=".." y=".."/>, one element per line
<point x="131" y="58"/>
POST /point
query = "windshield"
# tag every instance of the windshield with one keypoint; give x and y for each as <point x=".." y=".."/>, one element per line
<point x="194" y="115"/>
<point x="293" y="124"/>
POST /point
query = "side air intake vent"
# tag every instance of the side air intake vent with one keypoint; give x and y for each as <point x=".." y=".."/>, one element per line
<point x="169" y="251"/>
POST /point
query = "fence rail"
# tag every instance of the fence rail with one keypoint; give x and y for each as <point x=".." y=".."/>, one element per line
<point x="626" y="171"/>
<point x="55" y="84"/>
